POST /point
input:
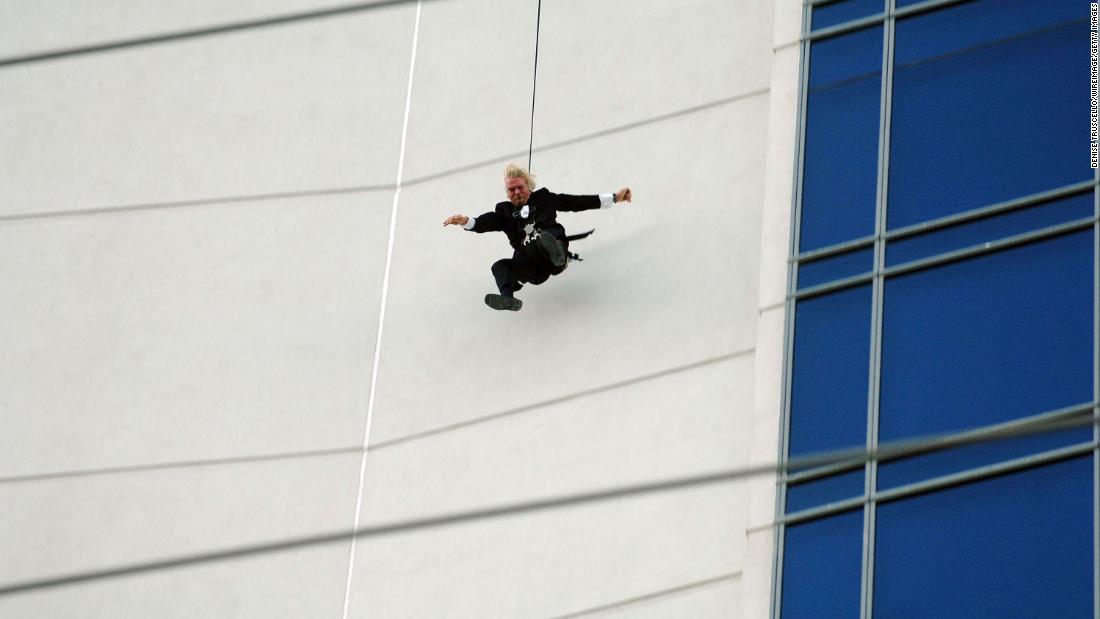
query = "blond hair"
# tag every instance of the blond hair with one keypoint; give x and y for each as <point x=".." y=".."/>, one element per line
<point x="514" y="171"/>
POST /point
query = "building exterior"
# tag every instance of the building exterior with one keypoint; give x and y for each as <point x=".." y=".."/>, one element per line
<point x="231" y="318"/>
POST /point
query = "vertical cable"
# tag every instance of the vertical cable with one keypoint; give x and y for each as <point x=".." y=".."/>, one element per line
<point x="534" y="85"/>
<point x="382" y="313"/>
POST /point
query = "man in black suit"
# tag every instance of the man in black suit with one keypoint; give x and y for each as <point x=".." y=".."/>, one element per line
<point x="529" y="219"/>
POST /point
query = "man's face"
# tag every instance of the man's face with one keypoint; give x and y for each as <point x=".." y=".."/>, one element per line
<point x="517" y="191"/>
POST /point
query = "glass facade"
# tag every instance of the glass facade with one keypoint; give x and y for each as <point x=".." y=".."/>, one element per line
<point x="943" y="312"/>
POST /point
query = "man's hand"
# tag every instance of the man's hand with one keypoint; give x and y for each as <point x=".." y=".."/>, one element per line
<point x="456" y="220"/>
<point x="623" y="194"/>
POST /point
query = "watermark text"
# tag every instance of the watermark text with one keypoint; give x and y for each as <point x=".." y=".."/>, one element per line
<point x="1094" y="37"/>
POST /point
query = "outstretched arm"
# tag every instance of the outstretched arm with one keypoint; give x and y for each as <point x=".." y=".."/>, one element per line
<point x="486" y="222"/>
<point x="584" y="203"/>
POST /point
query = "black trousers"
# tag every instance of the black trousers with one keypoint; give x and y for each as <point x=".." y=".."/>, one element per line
<point x="529" y="266"/>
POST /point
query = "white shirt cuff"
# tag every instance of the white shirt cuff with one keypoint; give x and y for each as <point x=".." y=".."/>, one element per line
<point x="606" y="200"/>
<point x="470" y="224"/>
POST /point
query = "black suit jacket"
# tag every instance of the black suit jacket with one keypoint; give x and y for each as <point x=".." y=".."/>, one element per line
<point x="544" y="206"/>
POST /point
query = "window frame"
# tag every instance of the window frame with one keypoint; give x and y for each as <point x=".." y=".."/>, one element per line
<point x="878" y="241"/>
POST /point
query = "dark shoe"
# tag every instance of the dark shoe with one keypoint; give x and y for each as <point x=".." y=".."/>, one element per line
<point x="499" y="302"/>
<point x="554" y="249"/>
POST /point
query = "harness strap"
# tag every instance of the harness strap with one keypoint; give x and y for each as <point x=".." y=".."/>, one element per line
<point x="577" y="237"/>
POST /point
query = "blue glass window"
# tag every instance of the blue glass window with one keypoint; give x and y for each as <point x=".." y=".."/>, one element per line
<point x="985" y="340"/>
<point x="834" y="13"/>
<point x="830" y="369"/>
<point x="823" y="270"/>
<point x="841" y="149"/>
<point x="1019" y="545"/>
<point x="989" y="229"/>
<point x="821" y="567"/>
<point x="990" y="103"/>
<point x="824" y="490"/>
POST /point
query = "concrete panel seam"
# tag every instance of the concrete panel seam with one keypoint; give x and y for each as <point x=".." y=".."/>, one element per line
<point x="898" y="449"/>
<point x="559" y="400"/>
<point x="773" y="306"/>
<point x="182" y="35"/>
<point x="262" y="197"/>
<point x="656" y="595"/>
<point x="656" y="119"/>
<point x="453" y="518"/>
<point x="356" y="449"/>
<point x="181" y="464"/>
<point x="338" y="451"/>
<point x="155" y="206"/>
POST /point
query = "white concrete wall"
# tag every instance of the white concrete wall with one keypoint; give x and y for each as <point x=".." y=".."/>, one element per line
<point x="193" y="245"/>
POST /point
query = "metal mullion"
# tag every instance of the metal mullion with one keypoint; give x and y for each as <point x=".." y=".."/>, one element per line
<point x="863" y="22"/>
<point x="939" y="483"/>
<point x="953" y="256"/>
<point x="831" y="250"/>
<point x="779" y="536"/>
<point x="823" y="511"/>
<point x="824" y="471"/>
<point x="845" y="28"/>
<point x="994" y="246"/>
<point x="877" y="314"/>
<point x="829" y="462"/>
<point x="944" y="222"/>
<point x="897" y="450"/>
<point x="924" y="7"/>
<point x="1064" y="418"/>
<point x="833" y="286"/>
<point x="983" y="472"/>
<point x="987" y="211"/>
<point x="1058" y="419"/>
